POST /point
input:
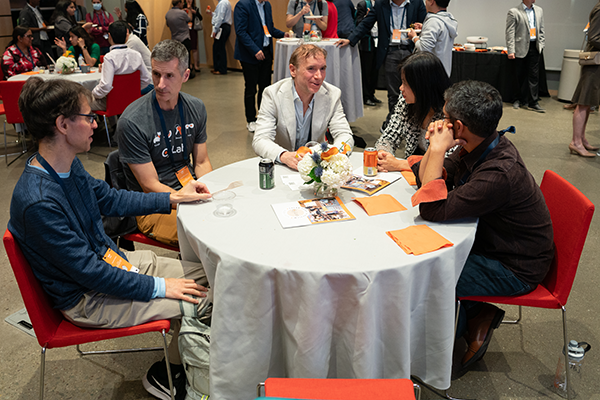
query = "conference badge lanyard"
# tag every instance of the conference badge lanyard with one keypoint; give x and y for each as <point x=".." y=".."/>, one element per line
<point x="533" y="31"/>
<point x="110" y="256"/>
<point x="396" y="33"/>
<point x="28" y="57"/>
<point x="183" y="175"/>
<point x="487" y="151"/>
<point x="267" y="34"/>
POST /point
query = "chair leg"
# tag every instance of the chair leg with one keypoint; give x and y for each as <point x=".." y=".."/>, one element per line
<point x="42" y="371"/>
<point x="136" y="350"/>
<point x="417" y="390"/>
<point x="258" y="391"/>
<point x="516" y="321"/>
<point x="566" y="344"/>
<point x="456" y="319"/>
<point x="107" y="135"/>
<point x="168" y="362"/>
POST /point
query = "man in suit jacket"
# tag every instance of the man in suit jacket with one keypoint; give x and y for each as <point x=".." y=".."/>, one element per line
<point x="254" y="49"/>
<point x="525" y="40"/>
<point x="390" y="16"/>
<point x="299" y="109"/>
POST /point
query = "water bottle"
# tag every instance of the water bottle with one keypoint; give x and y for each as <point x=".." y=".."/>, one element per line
<point x="314" y="33"/>
<point x="81" y="60"/>
<point x="576" y="352"/>
<point x="306" y="36"/>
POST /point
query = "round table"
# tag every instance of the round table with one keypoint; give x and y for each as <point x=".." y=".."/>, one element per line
<point x="343" y="71"/>
<point x="338" y="299"/>
<point x="89" y="80"/>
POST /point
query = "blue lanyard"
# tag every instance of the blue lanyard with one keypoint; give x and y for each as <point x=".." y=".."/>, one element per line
<point x="84" y="227"/>
<point x="487" y="151"/>
<point x="401" y="19"/>
<point x="29" y="57"/>
<point x="100" y="14"/>
<point x="165" y="133"/>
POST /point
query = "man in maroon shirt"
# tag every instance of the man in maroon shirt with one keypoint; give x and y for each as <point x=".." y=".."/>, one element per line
<point x="486" y="179"/>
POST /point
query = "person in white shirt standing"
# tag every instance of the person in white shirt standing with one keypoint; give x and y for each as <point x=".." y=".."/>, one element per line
<point x="120" y="60"/>
<point x="221" y="28"/>
<point x="525" y="40"/>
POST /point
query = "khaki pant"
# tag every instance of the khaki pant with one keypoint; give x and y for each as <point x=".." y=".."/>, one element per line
<point x="100" y="310"/>
<point x="161" y="227"/>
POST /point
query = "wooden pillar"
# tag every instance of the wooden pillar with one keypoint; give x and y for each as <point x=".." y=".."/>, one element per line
<point x="6" y="25"/>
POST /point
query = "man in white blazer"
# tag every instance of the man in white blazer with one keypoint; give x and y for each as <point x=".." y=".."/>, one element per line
<point x="299" y="109"/>
<point x="525" y="40"/>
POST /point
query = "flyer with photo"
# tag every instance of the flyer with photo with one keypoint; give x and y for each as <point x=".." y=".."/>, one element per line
<point x="313" y="211"/>
<point x="370" y="184"/>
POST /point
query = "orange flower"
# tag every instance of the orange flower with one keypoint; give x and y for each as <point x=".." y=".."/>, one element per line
<point x="302" y="151"/>
<point x="329" y="153"/>
<point x="345" y="148"/>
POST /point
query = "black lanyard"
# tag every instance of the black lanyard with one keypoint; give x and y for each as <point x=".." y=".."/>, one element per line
<point x="84" y="227"/>
<point x="401" y="19"/>
<point x="165" y="133"/>
<point x="487" y="151"/>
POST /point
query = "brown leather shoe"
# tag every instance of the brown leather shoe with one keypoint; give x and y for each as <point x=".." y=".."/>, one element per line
<point x="480" y="330"/>
<point x="215" y="72"/>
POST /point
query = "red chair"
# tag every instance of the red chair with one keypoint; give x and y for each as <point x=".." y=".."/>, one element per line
<point x="101" y="59"/>
<point x="141" y="238"/>
<point x="341" y="389"/>
<point x="10" y="93"/>
<point x="53" y="330"/>
<point x="126" y="90"/>
<point x="571" y="214"/>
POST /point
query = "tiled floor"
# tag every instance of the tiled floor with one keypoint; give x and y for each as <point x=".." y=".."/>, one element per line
<point x="520" y="362"/>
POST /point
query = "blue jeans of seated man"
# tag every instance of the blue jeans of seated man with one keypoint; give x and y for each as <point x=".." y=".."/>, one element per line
<point x="482" y="276"/>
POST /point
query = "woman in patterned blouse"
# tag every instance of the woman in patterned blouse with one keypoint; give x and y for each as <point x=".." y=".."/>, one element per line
<point x="424" y="81"/>
<point x="20" y="56"/>
<point x="136" y="18"/>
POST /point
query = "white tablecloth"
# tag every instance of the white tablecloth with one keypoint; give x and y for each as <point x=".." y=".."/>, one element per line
<point x="339" y="299"/>
<point x="89" y="80"/>
<point x="343" y="71"/>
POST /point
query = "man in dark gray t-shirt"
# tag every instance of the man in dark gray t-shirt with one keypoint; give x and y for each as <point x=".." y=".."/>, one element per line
<point x="151" y="134"/>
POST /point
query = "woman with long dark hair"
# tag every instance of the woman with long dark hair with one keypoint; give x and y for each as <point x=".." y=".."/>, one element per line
<point x="82" y="44"/>
<point x="101" y="19"/>
<point x="63" y="19"/>
<point x="136" y="18"/>
<point x="20" y="56"/>
<point x="421" y="101"/>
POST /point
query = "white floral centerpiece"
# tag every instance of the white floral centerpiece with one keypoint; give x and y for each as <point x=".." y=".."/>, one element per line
<point x="66" y="64"/>
<point x="326" y="166"/>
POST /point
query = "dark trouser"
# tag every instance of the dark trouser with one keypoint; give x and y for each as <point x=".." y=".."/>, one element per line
<point x="369" y="73"/>
<point x="528" y="76"/>
<point x="256" y="74"/>
<point x="219" y="51"/>
<point x="482" y="276"/>
<point x="395" y="55"/>
<point x="188" y="45"/>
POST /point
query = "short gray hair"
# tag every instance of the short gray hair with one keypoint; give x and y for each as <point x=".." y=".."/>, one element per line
<point x="169" y="49"/>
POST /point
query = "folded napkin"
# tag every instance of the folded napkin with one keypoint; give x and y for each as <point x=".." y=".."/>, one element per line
<point x="382" y="204"/>
<point x="410" y="177"/>
<point x="419" y="239"/>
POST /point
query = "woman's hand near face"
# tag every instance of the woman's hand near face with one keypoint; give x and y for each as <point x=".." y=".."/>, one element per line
<point x="81" y="43"/>
<point x="61" y="43"/>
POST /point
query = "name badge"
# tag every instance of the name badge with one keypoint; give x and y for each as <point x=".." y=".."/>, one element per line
<point x="396" y="36"/>
<point x="306" y="27"/>
<point x="267" y="34"/>
<point x="105" y="36"/>
<point x="532" y="33"/>
<point x="189" y="25"/>
<point x="184" y="176"/>
<point x="113" y="258"/>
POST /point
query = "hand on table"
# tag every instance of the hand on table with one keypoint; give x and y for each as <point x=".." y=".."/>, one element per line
<point x="180" y="288"/>
<point x="193" y="191"/>
<point x="342" y="43"/>
<point x="260" y="55"/>
<point x="288" y="34"/>
<point x="441" y="136"/>
<point x="387" y="162"/>
<point x="291" y="159"/>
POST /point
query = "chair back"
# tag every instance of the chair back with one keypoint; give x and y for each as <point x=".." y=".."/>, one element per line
<point x="44" y="318"/>
<point x="11" y="90"/>
<point x="126" y="90"/>
<point x="571" y="213"/>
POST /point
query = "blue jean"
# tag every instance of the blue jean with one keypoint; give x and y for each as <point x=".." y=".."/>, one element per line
<point x="482" y="276"/>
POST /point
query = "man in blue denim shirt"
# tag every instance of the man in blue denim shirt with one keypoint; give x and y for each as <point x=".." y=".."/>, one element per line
<point x="55" y="216"/>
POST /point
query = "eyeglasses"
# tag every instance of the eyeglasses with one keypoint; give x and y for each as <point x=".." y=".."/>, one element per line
<point x="92" y="117"/>
<point x="29" y="36"/>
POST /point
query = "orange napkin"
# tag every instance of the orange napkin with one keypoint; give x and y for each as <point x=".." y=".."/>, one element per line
<point x="419" y="239"/>
<point x="32" y="73"/>
<point x="382" y="204"/>
<point x="410" y="177"/>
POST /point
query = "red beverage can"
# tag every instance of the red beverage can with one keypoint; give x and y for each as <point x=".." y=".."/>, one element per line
<point x="370" y="161"/>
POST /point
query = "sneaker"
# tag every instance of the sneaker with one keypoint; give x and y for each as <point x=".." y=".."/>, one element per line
<point x="516" y="105"/>
<point x="251" y="126"/>
<point x="156" y="381"/>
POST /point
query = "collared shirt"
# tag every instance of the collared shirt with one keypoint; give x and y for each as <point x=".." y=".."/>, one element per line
<point x="40" y="21"/>
<point x="531" y="18"/>
<point x="261" y="12"/>
<point x="222" y="15"/>
<point x="303" y="120"/>
<point x="514" y="223"/>
<point x="399" y="18"/>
